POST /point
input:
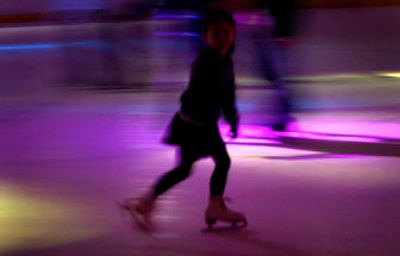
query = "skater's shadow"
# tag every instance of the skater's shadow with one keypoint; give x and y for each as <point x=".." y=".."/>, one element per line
<point x="329" y="143"/>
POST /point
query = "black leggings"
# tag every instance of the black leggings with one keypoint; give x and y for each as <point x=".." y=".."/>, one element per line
<point x="188" y="156"/>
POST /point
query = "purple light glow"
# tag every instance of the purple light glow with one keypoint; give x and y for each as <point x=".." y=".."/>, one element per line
<point x="339" y="138"/>
<point x="177" y="16"/>
<point x="351" y="131"/>
<point x="184" y="34"/>
<point x="356" y="131"/>
<point x="254" y="18"/>
<point x="250" y="134"/>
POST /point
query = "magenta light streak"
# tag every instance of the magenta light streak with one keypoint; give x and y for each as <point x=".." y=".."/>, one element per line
<point x="351" y="131"/>
<point x="251" y="134"/>
<point x="338" y="131"/>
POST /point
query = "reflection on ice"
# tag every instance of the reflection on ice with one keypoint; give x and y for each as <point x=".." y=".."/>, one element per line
<point x="29" y="221"/>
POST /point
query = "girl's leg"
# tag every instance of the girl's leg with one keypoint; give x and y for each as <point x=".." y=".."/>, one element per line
<point x="141" y="209"/>
<point x="187" y="157"/>
<point x="216" y="209"/>
<point x="220" y="174"/>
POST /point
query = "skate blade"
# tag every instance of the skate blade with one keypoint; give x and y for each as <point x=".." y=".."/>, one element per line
<point x="135" y="219"/>
<point x="234" y="226"/>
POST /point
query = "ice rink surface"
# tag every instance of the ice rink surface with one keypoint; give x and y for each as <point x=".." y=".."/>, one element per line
<point x="328" y="186"/>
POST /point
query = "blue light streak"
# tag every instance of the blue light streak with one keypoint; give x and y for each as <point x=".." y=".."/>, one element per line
<point x="24" y="47"/>
<point x="88" y="44"/>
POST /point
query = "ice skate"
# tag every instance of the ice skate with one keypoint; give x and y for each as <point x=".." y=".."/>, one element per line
<point x="217" y="211"/>
<point x="140" y="210"/>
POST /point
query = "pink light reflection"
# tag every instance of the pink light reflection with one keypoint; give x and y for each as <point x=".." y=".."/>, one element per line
<point x="346" y="131"/>
<point x="250" y="134"/>
<point x="351" y="131"/>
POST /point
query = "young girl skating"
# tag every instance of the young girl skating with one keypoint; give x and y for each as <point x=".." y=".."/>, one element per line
<point x="194" y="128"/>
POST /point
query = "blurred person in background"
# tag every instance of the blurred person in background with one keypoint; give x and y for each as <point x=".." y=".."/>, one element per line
<point x="119" y="25"/>
<point x="73" y="15"/>
<point x="272" y="47"/>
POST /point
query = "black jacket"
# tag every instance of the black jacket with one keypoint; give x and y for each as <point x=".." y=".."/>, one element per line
<point x="211" y="90"/>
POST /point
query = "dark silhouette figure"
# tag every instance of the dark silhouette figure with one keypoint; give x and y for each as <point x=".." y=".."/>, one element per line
<point x="272" y="48"/>
<point x="194" y="128"/>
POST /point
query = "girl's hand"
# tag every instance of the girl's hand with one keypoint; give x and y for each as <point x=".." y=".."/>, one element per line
<point x="233" y="132"/>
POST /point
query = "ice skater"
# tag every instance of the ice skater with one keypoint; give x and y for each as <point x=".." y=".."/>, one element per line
<point x="194" y="128"/>
<point x="273" y="50"/>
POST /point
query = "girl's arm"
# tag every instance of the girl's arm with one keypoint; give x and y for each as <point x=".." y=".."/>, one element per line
<point x="229" y="108"/>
